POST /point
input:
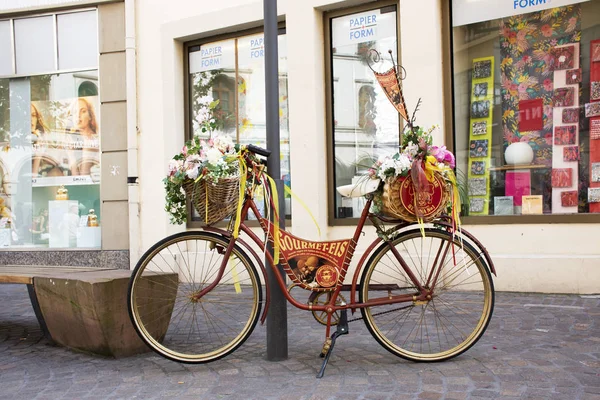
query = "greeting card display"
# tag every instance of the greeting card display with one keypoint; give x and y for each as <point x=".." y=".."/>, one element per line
<point x="592" y="109"/>
<point x="568" y="199"/>
<point x="563" y="57"/>
<point x="596" y="52"/>
<point x="480" y="89"/>
<point x="562" y="177"/>
<point x="596" y="172"/>
<point x="480" y="109"/>
<point x="564" y="97"/>
<point x="595" y="91"/>
<point x="532" y="205"/>
<point x="595" y="129"/>
<point x="477" y="186"/>
<point x="482" y="69"/>
<point x="477" y="167"/>
<point x="476" y="205"/>
<point x="565" y="135"/>
<point x="480" y="128"/>
<point x="593" y="195"/>
<point x="478" y="148"/>
<point x="504" y="205"/>
<point x="517" y="185"/>
<point x="573" y="76"/>
<point x="570" y="115"/>
<point x="571" y="153"/>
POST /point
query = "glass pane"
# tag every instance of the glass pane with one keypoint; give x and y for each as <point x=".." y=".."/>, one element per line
<point x="241" y="93"/>
<point x="51" y="142"/>
<point x="77" y="40"/>
<point x="34" y="43"/>
<point x="366" y="124"/>
<point x="5" y="49"/>
<point x="525" y="143"/>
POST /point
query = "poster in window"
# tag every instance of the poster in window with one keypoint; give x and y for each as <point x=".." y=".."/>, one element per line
<point x="573" y="76"/>
<point x="564" y="97"/>
<point x="569" y="198"/>
<point x="518" y="184"/>
<point x="563" y="57"/>
<point x="571" y="153"/>
<point x="565" y="135"/>
<point x="66" y="140"/>
<point x="570" y="115"/>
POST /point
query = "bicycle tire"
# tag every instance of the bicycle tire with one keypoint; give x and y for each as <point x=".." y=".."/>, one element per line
<point x="161" y="297"/>
<point x="462" y="307"/>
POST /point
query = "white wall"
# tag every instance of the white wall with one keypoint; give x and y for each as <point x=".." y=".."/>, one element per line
<point x="551" y="258"/>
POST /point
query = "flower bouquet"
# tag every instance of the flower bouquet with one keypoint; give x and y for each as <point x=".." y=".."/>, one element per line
<point x="208" y="172"/>
<point x="419" y="182"/>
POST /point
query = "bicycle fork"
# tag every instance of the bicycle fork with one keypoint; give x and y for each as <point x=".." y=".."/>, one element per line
<point x="342" y="329"/>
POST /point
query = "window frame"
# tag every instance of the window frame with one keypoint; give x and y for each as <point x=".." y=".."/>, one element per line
<point x="329" y="83"/>
<point x="281" y="30"/>
<point x="450" y="138"/>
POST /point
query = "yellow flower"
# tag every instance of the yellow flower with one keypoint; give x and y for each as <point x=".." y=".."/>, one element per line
<point x="506" y="61"/>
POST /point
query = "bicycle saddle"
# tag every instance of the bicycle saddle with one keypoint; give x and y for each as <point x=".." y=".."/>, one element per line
<point x="365" y="186"/>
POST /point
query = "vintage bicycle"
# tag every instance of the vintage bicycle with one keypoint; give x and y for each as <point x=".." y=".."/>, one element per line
<point x="425" y="293"/>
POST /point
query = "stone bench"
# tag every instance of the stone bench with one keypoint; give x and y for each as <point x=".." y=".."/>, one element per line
<point x="83" y="309"/>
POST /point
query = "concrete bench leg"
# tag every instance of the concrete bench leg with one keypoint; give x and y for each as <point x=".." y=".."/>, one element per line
<point x="88" y="311"/>
<point x="38" y="312"/>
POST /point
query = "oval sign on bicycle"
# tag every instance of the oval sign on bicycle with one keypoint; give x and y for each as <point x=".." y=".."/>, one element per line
<point x="326" y="276"/>
<point x="429" y="201"/>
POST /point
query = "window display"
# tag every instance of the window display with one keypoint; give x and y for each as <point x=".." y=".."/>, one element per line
<point x="365" y="124"/>
<point x="50" y="134"/>
<point x="230" y="75"/>
<point x="526" y="106"/>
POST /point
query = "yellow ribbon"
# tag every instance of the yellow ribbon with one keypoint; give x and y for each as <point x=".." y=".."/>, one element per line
<point x="430" y="167"/>
<point x="238" y="212"/>
<point x="275" y="219"/>
<point x="289" y="191"/>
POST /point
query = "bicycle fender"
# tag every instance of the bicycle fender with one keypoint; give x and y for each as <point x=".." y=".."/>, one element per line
<point x="261" y="264"/>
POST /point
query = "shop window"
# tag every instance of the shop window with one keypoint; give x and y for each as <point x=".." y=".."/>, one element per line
<point x="232" y="72"/>
<point x="364" y="124"/>
<point x="50" y="139"/>
<point x="527" y="107"/>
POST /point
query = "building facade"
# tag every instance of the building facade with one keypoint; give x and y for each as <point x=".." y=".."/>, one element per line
<point x="523" y="76"/>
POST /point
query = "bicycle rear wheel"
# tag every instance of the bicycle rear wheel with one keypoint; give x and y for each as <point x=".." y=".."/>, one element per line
<point x="167" y="311"/>
<point x="457" y="314"/>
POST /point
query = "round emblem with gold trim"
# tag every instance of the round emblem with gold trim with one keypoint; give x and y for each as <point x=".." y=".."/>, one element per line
<point x="326" y="276"/>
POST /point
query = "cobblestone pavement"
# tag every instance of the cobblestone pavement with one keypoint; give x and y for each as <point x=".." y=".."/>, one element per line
<point x="537" y="347"/>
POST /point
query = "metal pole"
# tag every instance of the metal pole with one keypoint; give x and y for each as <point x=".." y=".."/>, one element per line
<point x="277" y="336"/>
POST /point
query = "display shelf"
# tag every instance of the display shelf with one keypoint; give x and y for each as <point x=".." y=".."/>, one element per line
<point x="63" y="180"/>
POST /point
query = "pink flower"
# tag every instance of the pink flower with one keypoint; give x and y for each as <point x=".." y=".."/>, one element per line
<point x="547" y="30"/>
<point x="185" y="151"/>
<point x="441" y="154"/>
<point x="522" y="87"/>
<point x="548" y="85"/>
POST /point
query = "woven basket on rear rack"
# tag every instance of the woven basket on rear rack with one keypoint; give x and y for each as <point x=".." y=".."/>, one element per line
<point x="399" y="200"/>
<point x="214" y="202"/>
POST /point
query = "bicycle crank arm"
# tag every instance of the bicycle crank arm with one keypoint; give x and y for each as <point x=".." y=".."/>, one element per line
<point x="342" y="329"/>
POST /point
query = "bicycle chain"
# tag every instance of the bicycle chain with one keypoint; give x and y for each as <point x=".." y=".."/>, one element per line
<point x="380" y="313"/>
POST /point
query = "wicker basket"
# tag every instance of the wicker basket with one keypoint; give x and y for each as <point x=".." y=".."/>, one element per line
<point x="214" y="202"/>
<point x="399" y="200"/>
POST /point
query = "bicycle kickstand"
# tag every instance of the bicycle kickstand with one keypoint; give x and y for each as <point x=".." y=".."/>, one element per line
<point x="342" y="329"/>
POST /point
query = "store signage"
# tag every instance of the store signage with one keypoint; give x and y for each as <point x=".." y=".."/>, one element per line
<point x="216" y="55"/>
<point x="471" y="11"/>
<point x="360" y="28"/>
<point x="257" y="47"/>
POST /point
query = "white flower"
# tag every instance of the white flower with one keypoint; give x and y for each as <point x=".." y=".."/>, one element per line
<point x="411" y="149"/>
<point x="402" y="164"/>
<point x="175" y="166"/>
<point x="192" y="173"/>
<point x="223" y="143"/>
<point x="213" y="156"/>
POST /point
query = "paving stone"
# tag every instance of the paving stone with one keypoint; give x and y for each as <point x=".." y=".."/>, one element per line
<point x="515" y="359"/>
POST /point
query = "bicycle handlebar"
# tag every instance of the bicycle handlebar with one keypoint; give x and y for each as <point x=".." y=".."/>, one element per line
<point x="258" y="150"/>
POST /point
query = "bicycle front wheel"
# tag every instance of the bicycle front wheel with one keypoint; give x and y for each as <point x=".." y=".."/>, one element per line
<point x="173" y="315"/>
<point x="460" y="307"/>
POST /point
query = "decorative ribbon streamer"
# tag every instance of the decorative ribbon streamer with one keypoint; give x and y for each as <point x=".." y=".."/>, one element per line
<point x="289" y="191"/>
